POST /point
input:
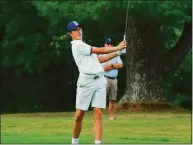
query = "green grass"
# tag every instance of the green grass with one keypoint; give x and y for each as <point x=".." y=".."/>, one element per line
<point x="127" y="128"/>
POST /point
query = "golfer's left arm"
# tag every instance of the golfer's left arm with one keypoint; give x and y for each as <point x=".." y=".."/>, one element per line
<point x="105" y="58"/>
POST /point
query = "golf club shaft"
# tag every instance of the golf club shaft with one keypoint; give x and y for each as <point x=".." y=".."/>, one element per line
<point x="124" y="38"/>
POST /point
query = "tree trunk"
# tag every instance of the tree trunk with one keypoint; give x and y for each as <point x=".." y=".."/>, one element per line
<point x="143" y="81"/>
<point x="171" y="59"/>
<point x="145" y="65"/>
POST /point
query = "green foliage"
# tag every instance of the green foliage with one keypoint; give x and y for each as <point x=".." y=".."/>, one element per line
<point x="24" y="39"/>
<point x="174" y="13"/>
<point x="178" y="83"/>
<point x="30" y="31"/>
<point x="183" y="101"/>
<point x="53" y="11"/>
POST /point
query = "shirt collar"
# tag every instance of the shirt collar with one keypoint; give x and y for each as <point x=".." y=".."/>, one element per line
<point x="74" y="41"/>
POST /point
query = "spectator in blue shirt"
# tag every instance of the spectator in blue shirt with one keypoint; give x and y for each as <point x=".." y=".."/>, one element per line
<point x="111" y="72"/>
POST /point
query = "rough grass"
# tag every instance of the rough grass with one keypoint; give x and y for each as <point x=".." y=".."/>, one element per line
<point x="127" y="128"/>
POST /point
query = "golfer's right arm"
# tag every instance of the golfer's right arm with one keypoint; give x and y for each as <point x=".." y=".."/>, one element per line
<point x="108" y="57"/>
<point x="105" y="50"/>
<point x="113" y="51"/>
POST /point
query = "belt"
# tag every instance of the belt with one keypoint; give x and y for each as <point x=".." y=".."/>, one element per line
<point x="111" y="77"/>
<point x="92" y="76"/>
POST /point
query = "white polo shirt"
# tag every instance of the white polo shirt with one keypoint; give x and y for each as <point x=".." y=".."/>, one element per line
<point x="87" y="62"/>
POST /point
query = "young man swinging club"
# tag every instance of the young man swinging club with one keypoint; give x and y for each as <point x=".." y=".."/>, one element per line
<point x="91" y="84"/>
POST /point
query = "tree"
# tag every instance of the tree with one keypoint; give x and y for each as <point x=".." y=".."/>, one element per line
<point x="148" y="58"/>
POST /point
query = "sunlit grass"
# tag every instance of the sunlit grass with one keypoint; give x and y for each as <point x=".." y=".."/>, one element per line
<point x="127" y="128"/>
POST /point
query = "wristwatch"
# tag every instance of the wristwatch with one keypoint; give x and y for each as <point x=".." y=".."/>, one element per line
<point x="112" y="66"/>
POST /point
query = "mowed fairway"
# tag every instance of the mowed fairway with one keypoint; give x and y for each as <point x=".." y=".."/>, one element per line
<point x="127" y="128"/>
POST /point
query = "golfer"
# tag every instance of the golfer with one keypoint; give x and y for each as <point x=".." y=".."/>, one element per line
<point x="91" y="84"/>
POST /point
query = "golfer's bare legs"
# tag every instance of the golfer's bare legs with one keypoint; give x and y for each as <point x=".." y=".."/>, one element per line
<point x="112" y="104"/>
<point x="98" y="126"/>
<point x="77" y="123"/>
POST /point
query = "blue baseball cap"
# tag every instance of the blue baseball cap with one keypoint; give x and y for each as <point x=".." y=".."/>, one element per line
<point x="73" y="25"/>
<point x="108" y="40"/>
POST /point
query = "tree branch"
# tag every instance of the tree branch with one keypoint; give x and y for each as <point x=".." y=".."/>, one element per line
<point x="173" y="57"/>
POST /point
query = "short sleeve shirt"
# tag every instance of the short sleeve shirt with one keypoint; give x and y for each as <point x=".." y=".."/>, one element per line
<point x="87" y="62"/>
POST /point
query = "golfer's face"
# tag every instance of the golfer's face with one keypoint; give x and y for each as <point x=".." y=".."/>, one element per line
<point x="76" y="34"/>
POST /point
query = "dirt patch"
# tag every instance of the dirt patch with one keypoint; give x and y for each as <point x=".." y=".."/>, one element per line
<point x="150" y="107"/>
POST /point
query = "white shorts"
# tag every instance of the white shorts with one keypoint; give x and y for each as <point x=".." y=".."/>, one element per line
<point x="92" y="92"/>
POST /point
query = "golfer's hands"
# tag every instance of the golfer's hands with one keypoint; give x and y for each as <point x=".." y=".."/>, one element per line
<point x="122" y="45"/>
<point x="123" y="51"/>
